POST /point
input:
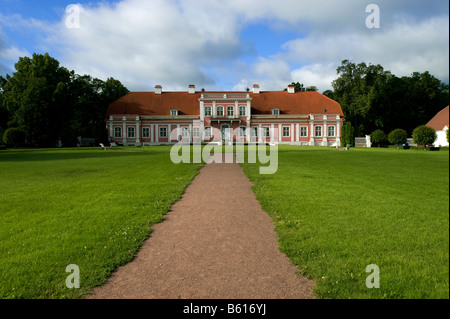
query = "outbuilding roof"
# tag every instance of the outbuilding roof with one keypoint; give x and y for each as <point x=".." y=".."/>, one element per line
<point x="440" y="120"/>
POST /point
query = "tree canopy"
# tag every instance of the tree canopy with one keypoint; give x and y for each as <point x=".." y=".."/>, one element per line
<point x="51" y="103"/>
<point x="373" y="98"/>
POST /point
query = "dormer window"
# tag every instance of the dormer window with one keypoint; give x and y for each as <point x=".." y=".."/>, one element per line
<point x="276" y="112"/>
<point x="173" y="112"/>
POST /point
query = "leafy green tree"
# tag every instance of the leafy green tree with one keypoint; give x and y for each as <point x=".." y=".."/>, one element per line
<point x="14" y="137"/>
<point x="398" y="137"/>
<point x="329" y="94"/>
<point x="29" y="96"/>
<point x="312" y="88"/>
<point x="424" y="135"/>
<point x="378" y="138"/>
<point x="347" y="134"/>
<point x="298" y="87"/>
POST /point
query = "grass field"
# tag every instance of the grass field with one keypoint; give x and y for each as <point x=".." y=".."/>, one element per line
<point x="337" y="212"/>
<point x="86" y="207"/>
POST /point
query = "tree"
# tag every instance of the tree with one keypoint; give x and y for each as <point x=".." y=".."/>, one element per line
<point x="54" y="104"/>
<point x="378" y="138"/>
<point x="312" y="88"/>
<point x="14" y="137"/>
<point x="347" y="134"/>
<point x="298" y="87"/>
<point x="373" y="98"/>
<point x="424" y="135"/>
<point x="29" y="96"/>
<point x="329" y="94"/>
<point x="398" y="137"/>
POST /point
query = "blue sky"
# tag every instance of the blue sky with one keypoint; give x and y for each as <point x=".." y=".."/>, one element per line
<point x="227" y="44"/>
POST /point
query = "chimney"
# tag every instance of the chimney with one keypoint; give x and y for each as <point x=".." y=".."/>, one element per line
<point x="158" y="89"/>
<point x="291" y="88"/>
<point x="255" y="88"/>
<point x="191" y="89"/>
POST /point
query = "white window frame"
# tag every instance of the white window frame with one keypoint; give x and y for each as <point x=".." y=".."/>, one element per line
<point x="163" y="132"/>
<point x="184" y="132"/>
<point x="196" y="132"/>
<point x="208" y="110"/>
<point x="230" y="111"/>
<point x="276" y="112"/>
<point x="208" y="132"/>
<point x="145" y="132"/>
<point x="332" y="131"/>
<point x="117" y="132"/>
<point x="219" y="111"/>
<point x="266" y="131"/>
<point x="318" y="127"/>
<point x="303" y="131"/>
<point x="254" y="131"/>
<point x="242" y="110"/>
<point x="242" y="131"/>
<point x="131" y="132"/>
<point x="173" y="112"/>
<point x="288" y="130"/>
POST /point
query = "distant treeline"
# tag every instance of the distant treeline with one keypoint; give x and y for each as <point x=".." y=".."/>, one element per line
<point x="52" y="105"/>
<point x="372" y="98"/>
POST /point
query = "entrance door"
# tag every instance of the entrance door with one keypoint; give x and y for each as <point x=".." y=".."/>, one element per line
<point x="225" y="132"/>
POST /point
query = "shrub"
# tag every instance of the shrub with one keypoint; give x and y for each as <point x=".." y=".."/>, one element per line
<point x="347" y="134"/>
<point x="398" y="137"/>
<point x="14" y="137"/>
<point x="424" y="135"/>
<point x="378" y="138"/>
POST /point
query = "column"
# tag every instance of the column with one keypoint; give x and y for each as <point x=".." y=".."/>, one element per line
<point x="292" y="132"/>
<point x="297" y="133"/>
<point x="157" y="133"/>
<point x="138" y="130"/>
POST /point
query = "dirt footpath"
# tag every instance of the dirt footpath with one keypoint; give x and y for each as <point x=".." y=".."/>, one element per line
<point x="216" y="243"/>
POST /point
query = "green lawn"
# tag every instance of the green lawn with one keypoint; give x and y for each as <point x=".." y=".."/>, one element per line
<point x="86" y="207"/>
<point x="335" y="212"/>
<point x="338" y="211"/>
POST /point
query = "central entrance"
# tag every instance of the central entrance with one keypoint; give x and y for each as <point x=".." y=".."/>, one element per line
<point x="225" y="129"/>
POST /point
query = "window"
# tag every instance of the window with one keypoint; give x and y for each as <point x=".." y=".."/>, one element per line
<point x="255" y="131"/>
<point x="174" y="112"/>
<point x="196" y="132"/>
<point x="208" y="111"/>
<point x="275" y="112"/>
<point x="163" y="132"/>
<point x="145" y="132"/>
<point x="286" y="131"/>
<point x="207" y="132"/>
<point x="230" y="111"/>
<point x="131" y="132"/>
<point x="242" y="131"/>
<point x="303" y="131"/>
<point x="118" y="132"/>
<point x="331" y="131"/>
<point x="318" y="131"/>
<point x="220" y="111"/>
<point x="185" y="132"/>
<point x="241" y="110"/>
<point x="266" y="131"/>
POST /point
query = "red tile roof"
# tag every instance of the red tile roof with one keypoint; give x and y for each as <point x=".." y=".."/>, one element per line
<point x="149" y="103"/>
<point x="440" y="120"/>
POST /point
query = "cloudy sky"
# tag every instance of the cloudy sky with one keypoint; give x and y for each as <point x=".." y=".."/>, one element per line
<point x="226" y="44"/>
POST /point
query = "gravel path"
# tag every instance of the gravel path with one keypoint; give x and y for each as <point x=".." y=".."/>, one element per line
<point x="216" y="243"/>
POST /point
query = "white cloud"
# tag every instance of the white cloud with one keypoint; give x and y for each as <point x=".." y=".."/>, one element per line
<point x="181" y="42"/>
